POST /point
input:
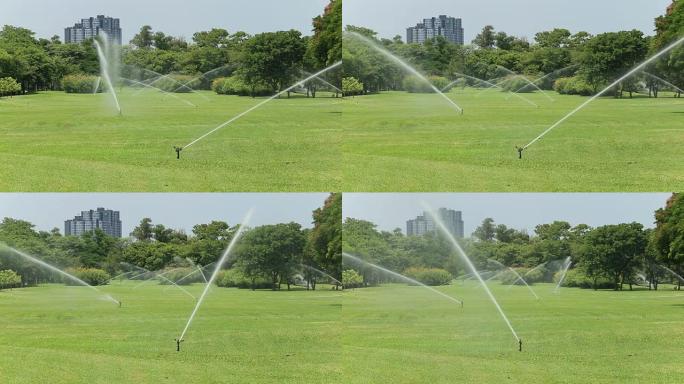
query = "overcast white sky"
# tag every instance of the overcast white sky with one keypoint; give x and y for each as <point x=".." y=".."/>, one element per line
<point x="515" y="17"/>
<point x="175" y="210"/>
<point x="173" y="17"/>
<point x="517" y="210"/>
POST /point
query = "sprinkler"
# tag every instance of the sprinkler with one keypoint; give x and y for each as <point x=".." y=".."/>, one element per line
<point x="520" y="151"/>
<point x="519" y="345"/>
<point x="120" y="304"/>
<point x="178" y="151"/>
<point x="178" y="343"/>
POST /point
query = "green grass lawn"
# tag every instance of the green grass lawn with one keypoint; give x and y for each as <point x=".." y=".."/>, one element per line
<point x="393" y="333"/>
<point x="58" y="334"/>
<point x="410" y="335"/>
<point x="54" y="141"/>
<point x="416" y="142"/>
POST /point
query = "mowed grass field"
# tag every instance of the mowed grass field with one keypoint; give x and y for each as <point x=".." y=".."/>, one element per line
<point x="52" y="141"/>
<point x="58" y="334"/>
<point x="398" y="141"/>
<point x="407" y="334"/>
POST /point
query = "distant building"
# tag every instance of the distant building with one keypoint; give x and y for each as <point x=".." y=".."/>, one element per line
<point x="91" y="27"/>
<point x="423" y="224"/>
<point x="448" y="27"/>
<point x="105" y="219"/>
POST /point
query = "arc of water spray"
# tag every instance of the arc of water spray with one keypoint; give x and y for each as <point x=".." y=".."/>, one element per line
<point x="402" y="277"/>
<point x="471" y="266"/>
<point x="105" y="70"/>
<point x="97" y="84"/>
<point x="161" y="77"/>
<point x="324" y="81"/>
<point x="616" y="82"/>
<point x="545" y="76"/>
<point x="520" y="278"/>
<point x="663" y="81"/>
<point x="217" y="269"/>
<point x="59" y="271"/>
<point x="321" y="272"/>
<point x="407" y="67"/>
<point x="526" y="80"/>
<point x="261" y="104"/>
<point x="492" y="85"/>
<point x="201" y="76"/>
<point x="568" y="263"/>
<point x="160" y="90"/>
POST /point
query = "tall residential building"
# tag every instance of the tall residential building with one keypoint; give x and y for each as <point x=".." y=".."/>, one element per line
<point x="105" y="219"/>
<point x="448" y="27"/>
<point x="423" y="224"/>
<point x="91" y="27"/>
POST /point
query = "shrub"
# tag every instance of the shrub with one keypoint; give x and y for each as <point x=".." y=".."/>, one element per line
<point x="80" y="83"/>
<point x="176" y="83"/>
<point x="573" y="86"/>
<point x="516" y="84"/>
<point x="577" y="278"/>
<point x="234" y="278"/>
<point x="188" y="275"/>
<point x="235" y="85"/>
<point x="9" y="86"/>
<point x="351" y="279"/>
<point x="9" y="279"/>
<point x="351" y="86"/>
<point x="414" y="84"/>
<point x="92" y="276"/>
<point x="429" y="276"/>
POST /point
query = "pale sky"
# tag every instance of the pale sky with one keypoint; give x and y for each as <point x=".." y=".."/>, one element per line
<point x="518" y="18"/>
<point x="517" y="210"/>
<point x="173" y="17"/>
<point x="175" y="210"/>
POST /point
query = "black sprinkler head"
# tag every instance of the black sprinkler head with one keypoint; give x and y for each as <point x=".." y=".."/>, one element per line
<point x="519" y="345"/>
<point x="178" y="151"/>
<point x="520" y="151"/>
<point x="178" y="343"/>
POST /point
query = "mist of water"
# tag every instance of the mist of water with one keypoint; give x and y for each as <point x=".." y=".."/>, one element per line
<point x="59" y="271"/>
<point x="606" y="89"/>
<point x="405" y="66"/>
<point x="107" y="57"/>
<point x="217" y="269"/>
<point x="445" y="231"/>
<point x="400" y="276"/>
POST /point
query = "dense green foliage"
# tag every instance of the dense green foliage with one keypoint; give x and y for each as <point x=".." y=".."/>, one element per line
<point x="609" y="253"/>
<point x="494" y="55"/>
<point x="272" y="253"/>
<point x="351" y="278"/>
<point x="79" y="83"/>
<point x="429" y="276"/>
<point x="9" y="86"/>
<point x="273" y="58"/>
<point x="91" y="276"/>
<point x="351" y="86"/>
<point x="9" y="279"/>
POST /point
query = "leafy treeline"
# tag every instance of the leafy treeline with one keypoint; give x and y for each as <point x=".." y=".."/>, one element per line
<point x="610" y="255"/>
<point x="587" y="63"/>
<point x="273" y="59"/>
<point x="274" y="252"/>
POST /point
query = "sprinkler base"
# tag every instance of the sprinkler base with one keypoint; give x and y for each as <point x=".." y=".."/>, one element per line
<point x="178" y="343"/>
<point x="520" y="151"/>
<point x="178" y="151"/>
<point x="519" y="345"/>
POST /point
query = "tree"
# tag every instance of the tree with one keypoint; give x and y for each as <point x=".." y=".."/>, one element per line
<point x="557" y="38"/>
<point x="485" y="39"/>
<point x="668" y="236"/>
<point x="272" y="251"/>
<point x="351" y="86"/>
<point x="273" y="58"/>
<point x="610" y="55"/>
<point x="143" y="232"/>
<point x="615" y="251"/>
<point x="215" y="38"/>
<point x="143" y="39"/>
<point x="325" y="47"/>
<point x="351" y="279"/>
<point x="486" y="231"/>
<point x="325" y="239"/>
